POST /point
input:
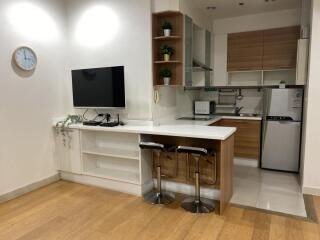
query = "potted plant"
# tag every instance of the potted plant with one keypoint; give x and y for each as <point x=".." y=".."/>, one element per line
<point x="166" y="74"/>
<point x="167" y="27"/>
<point x="166" y="51"/>
<point x="64" y="124"/>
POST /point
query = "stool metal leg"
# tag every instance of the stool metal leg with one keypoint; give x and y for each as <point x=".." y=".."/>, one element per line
<point x="197" y="204"/>
<point x="158" y="196"/>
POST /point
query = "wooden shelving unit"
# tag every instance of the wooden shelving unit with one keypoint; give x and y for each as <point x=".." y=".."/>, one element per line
<point x="163" y="38"/>
<point x="167" y="62"/>
<point x="175" y="41"/>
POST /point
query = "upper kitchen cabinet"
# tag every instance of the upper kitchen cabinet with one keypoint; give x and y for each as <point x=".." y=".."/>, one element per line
<point x="197" y="55"/>
<point x="263" y="50"/>
<point x="280" y="48"/>
<point x="267" y="57"/>
<point x="245" y="51"/>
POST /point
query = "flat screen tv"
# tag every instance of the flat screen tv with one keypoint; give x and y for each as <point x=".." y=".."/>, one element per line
<point x="98" y="87"/>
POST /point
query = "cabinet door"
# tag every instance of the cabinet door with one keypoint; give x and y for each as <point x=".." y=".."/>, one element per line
<point x="280" y="48"/>
<point x="247" y="137"/>
<point x="67" y="151"/>
<point x="245" y="51"/>
<point x="302" y="61"/>
<point x="188" y="39"/>
<point x="208" y="57"/>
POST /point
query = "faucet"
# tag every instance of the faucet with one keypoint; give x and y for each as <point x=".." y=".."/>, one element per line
<point x="238" y="109"/>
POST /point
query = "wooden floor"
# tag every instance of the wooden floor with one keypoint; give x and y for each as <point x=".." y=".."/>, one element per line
<point x="71" y="211"/>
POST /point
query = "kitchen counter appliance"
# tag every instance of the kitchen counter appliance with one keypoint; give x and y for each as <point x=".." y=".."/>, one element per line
<point x="204" y="107"/>
<point x="282" y="129"/>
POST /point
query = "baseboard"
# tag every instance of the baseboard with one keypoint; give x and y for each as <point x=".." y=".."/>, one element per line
<point x="246" y="162"/>
<point x="29" y="188"/>
<point x="118" y="186"/>
<point x="188" y="189"/>
<point x="311" y="190"/>
<point x="147" y="187"/>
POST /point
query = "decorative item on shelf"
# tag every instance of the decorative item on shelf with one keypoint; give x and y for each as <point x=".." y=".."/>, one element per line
<point x="167" y="28"/>
<point x="166" y="74"/>
<point x="63" y="125"/>
<point x="166" y="51"/>
<point x="282" y="84"/>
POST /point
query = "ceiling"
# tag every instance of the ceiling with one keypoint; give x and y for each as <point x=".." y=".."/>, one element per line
<point x="231" y="8"/>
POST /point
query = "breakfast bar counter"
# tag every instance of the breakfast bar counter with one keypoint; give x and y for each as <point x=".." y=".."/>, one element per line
<point x="111" y="158"/>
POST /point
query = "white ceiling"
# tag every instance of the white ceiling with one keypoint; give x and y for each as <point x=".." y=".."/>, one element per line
<point x="231" y="8"/>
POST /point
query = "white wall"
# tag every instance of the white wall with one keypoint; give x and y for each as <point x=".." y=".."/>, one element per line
<point x="165" y="5"/>
<point x="29" y="101"/>
<point x="222" y="27"/>
<point x="260" y="21"/>
<point x="311" y="178"/>
<point x="199" y="17"/>
<point x="129" y="46"/>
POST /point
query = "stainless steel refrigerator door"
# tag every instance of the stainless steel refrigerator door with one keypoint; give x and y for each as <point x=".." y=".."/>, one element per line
<point x="284" y="102"/>
<point x="281" y="148"/>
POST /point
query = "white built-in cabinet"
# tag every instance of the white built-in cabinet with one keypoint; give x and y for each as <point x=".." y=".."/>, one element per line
<point x="67" y="151"/>
<point x="113" y="157"/>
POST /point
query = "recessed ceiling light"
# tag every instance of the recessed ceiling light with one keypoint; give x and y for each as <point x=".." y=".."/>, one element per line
<point x="211" y="8"/>
<point x="241" y="3"/>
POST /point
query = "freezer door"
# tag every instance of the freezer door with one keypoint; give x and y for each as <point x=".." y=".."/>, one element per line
<point x="284" y="102"/>
<point x="281" y="146"/>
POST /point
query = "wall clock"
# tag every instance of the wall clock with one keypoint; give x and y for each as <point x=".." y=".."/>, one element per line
<point x="25" y="58"/>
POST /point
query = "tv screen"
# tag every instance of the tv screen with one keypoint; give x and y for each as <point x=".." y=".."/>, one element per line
<point x="98" y="87"/>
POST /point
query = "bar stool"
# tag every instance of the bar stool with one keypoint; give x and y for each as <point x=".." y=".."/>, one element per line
<point x="157" y="196"/>
<point x="196" y="204"/>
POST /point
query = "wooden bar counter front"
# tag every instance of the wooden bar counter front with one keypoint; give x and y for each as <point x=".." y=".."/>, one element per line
<point x="216" y="170"/>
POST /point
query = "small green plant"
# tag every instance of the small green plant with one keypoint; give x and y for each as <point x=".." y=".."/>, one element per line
<point x="64" y="124"/>
<point x="165" y="73"/>
<point x="166" y="50"/>
<point x="167" y="25"/>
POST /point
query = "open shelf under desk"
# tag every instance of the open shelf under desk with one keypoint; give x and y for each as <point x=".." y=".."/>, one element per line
<point x="117" y="175"/>
<point x="122" y="170"/>
<point x="113" y="152"/>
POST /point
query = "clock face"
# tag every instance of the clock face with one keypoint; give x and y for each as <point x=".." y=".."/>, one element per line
<point x="25" y="58"/>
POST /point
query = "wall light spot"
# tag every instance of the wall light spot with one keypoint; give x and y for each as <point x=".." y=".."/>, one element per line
<point x="97" y="26"/>
<point x="32" y="22"/>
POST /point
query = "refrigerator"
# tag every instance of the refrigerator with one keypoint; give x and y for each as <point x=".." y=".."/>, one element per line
<point x="281" y="133"/>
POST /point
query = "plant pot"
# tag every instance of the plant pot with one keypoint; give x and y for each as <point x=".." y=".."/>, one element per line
<point x="166" y="81"/>
<point x="167" y="32"/>
<point x="166" y="57"/>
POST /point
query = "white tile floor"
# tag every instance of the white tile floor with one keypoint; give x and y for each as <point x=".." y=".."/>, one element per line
<point x="269" y="190"/>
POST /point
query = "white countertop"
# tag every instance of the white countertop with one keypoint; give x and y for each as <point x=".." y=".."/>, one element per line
<point x="178" y="128"/>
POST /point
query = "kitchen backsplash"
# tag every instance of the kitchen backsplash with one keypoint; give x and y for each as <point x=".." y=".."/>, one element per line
<point x="177" y="102"/>
<point x="252" y="101"/>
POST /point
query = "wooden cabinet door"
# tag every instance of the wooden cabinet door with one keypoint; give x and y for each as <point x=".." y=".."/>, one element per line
<point x="280" y="48"/>
<point x="247" y="137"/>
<point x="245" y="51"/>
